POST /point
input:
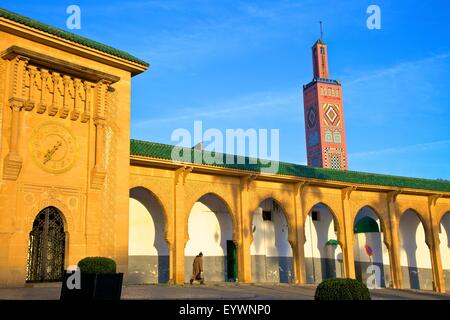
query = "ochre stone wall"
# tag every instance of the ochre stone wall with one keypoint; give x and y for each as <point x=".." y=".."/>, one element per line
<point x="55" y="95"/>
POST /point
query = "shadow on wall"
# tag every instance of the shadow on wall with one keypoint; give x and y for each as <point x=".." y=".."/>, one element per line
<point x="148" y="252"/>
<point x="321" y="247"/>
<point x="210" y="228"/>
<point x="415" y="259"/>
<point x="271" y="252"/>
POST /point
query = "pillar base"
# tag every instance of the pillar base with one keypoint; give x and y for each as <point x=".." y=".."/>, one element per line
<point x="12" y="166"/>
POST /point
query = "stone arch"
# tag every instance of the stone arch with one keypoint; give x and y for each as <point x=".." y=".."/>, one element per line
<point x="218" y="248"/>
<point x="384" y="227"/>
<point x="425" y="224"/>
<point x="323" y="253"/>
<point x="441" y="214"/>
<point x="148" y="244"/>
<point x="285" y="203"/>
<point x="271" y="250"/>
<point x="379" y="245"/>
<point x="415" y="258"/>
<point x="340" y="231"/>
<point x="167" y="218"/>
<point x="231" y="212"/>
<point x="65" y="212"/>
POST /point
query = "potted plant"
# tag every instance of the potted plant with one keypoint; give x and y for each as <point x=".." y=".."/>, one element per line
<point x="98" y="280"/>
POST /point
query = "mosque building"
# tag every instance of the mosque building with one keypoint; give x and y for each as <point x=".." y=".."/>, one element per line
<point x="73" y="184"/>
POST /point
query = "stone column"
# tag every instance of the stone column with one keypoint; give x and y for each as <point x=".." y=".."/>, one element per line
<point x="347" y="244"/>
<point x="13" y="160"/>
<point x="180" y="226"/>
<point x="244" y="257"/>
<point x="434" y="245"/>
<point x="394" y="250"/>
<point x="299" y="248"/>
<point x="99" y="172"/>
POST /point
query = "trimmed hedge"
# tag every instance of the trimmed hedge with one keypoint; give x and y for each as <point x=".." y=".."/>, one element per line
<point x="97" y="265"/>
<point x="342" y="289"/>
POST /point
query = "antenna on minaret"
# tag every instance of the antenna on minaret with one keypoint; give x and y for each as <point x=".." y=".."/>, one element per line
<point x="321" y="31"/>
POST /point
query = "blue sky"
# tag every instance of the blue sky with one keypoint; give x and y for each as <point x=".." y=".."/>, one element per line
<point x="242" y="64"/>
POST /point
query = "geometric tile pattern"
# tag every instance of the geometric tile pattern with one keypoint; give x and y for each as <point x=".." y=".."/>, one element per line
<point x="331" y="114"/>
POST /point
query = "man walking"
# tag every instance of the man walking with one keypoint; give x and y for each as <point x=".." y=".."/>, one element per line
<point x="197" y="269"/>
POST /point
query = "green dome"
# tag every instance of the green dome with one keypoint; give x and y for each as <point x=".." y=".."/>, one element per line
<point x="366" y="224"/>
<point x="332" y="242"/>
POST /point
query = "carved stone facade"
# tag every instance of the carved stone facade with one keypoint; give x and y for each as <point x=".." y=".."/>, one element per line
<point x="64" y="144"/>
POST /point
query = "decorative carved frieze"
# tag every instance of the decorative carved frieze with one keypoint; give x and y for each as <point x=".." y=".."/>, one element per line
<point x="52" y="87"/>
<point x="32" y="87"/>
<point x="56" y="87"/>
<point x="17" y="78"/>
<point x="79" y="98"/>
<point x="101" y="90"/>
<point x="69" y="97"/>
<point x="58" y="93"/>
<point x="86" y="114"/>
<point x="45" y="88"/>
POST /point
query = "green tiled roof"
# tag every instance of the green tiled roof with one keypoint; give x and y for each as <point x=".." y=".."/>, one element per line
<point x="69" y="36"/>
<point x="164" y="151"/>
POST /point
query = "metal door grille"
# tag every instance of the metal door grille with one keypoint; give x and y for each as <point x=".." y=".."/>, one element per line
<point x="46" y="247"/>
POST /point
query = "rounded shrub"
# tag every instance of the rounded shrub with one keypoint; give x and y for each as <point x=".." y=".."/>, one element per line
<point x="342" y="289"/>
<point x="97" y="265"/>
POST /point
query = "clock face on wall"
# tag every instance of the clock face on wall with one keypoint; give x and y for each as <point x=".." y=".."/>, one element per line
<point x="53" y="147"/>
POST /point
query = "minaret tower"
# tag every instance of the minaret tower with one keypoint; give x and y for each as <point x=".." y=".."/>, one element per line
<point x="324" y="115"/>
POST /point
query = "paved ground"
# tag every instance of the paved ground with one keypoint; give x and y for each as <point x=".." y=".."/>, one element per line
<point x="216" y="291"/>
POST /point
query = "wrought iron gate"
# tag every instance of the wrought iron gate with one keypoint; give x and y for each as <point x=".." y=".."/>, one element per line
<point x="46" y="247"/>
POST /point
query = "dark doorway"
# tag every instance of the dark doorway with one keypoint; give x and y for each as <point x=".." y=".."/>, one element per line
<point x="46" y="247"/>
<point x="231" y="261"/>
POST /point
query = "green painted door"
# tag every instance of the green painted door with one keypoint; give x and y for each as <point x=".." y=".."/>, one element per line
<point x="231" y="261"/>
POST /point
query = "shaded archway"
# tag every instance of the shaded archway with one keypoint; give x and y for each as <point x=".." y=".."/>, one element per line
<point x="271" y="252"/>
<point x="323" y="253"/>
<point x="414" y="254"/>
<point x="46" y="247"/>
<point x="210" y="230"/>
<point x="369" y="248"/>
<point x="444" y="237"/>
<point x="148" y="251"/>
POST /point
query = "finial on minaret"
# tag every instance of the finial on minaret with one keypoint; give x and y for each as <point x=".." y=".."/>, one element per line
<point x="321" y="31"/>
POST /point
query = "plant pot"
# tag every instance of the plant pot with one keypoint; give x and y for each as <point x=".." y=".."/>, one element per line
<point x="97" y="286"/>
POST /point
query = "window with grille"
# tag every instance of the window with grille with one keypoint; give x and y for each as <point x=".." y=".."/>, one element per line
<point x="335" y="163"/>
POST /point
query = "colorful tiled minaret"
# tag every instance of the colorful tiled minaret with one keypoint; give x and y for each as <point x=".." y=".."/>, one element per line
<point x="324" y="115"/>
